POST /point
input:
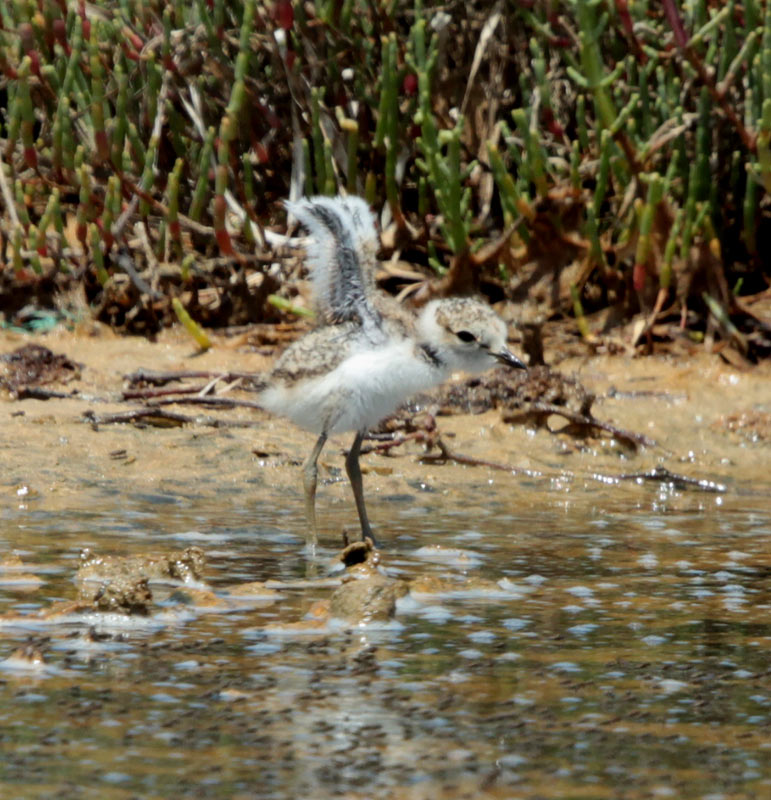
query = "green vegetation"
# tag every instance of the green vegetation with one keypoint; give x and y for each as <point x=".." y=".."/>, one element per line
<point x="617" y="152"/>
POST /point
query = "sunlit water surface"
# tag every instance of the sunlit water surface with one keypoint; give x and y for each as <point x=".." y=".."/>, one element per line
<point x="626" y="655"/>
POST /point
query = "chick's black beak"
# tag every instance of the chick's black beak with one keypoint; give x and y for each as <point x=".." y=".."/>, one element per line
<point x="505" y="356"/>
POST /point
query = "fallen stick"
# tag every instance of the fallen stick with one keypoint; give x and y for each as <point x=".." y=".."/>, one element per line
<point x="160" y="378"/>
<point x="163" y="418"/>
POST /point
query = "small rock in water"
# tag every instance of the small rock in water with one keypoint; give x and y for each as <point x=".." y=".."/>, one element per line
<point x="181" y="565"/>
<point x="366" y="594"/>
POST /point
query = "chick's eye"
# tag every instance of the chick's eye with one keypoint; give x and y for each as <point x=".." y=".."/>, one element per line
<point x="466" y="336"/>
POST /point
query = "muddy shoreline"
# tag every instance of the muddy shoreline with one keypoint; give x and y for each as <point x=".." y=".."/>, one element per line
<point x="580" y="623"/>
<point x="709" y="420"/>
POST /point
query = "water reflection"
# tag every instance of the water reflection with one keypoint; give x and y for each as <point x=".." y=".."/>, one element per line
<point x="592" y="641"/>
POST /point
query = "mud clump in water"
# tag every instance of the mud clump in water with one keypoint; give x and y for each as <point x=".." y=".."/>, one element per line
<point x="184" y="565"/>
<point x="119" y="584"/>
<point x="119" y="595"/>
<point x="366" y="594"/>
<point x="366" y="597"/>
<point x="124" y="596"/>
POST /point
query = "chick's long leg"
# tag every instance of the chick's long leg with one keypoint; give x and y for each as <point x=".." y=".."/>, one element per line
<point x="310" y="478"/>
<point x="354" y="475"/>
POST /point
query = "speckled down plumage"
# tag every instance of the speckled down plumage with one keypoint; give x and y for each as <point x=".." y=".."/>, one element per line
<point x="369" y="355"/>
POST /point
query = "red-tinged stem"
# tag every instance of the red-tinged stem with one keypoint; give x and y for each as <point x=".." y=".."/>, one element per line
<point x="107" y="236"/>
<point x="28" y="44"/>
<point x="220" y="232"/>
<point x="551" y="123"/>
<point x="60" y="34"/>
<point x="639" y="274"/>
<point x="136" y="41"/>
<point x="102" y="146"/>
<point x="622" y="7"/>
<point x="224" y="243"/>
<point x="30" y="157"/>
<point x="86" y="20"/>
<point x="673" y="15"/>
<point x="129" y="52"/>
<point x="681" y="39"/>
<point x="7" y="69"/>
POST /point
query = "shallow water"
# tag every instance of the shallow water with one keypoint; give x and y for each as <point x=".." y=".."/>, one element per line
<point x="625" y="655"/>
<point x="589" y="637"/>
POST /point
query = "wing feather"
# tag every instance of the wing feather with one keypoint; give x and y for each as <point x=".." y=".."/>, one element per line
<point x="341" y="255"/>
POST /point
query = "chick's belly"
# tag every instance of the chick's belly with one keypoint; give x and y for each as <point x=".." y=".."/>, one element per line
<point x="356" y="395"/>
<point x="370" y="386"/>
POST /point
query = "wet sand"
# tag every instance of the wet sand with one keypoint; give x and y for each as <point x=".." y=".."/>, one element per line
<point x="559" y="630"/>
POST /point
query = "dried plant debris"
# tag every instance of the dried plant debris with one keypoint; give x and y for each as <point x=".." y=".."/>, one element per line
<point x="516" y="394"/>
<point x="675" y="480"/>
<point x="31" y="366"/>
<point x="154" y="417"/>
<point x="574" y="161"/>
<point x="531" y="398"/>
